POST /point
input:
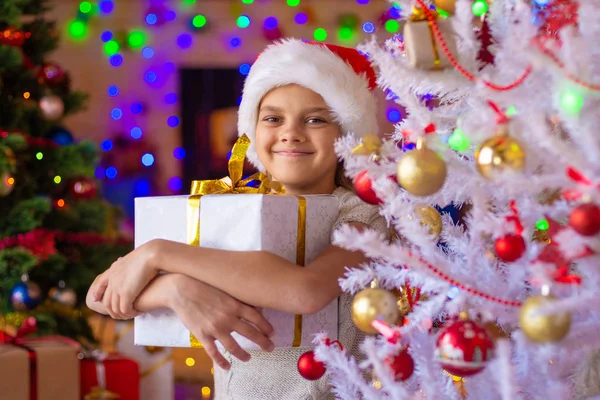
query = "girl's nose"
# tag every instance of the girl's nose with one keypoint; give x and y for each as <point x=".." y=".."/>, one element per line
<point x="292" y="134"/>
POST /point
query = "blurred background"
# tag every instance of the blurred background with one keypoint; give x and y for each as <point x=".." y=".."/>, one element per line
<point x="163" y="80"/>
<point x="165" y="77"/>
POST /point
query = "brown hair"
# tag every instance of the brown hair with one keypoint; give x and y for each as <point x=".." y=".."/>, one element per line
<point x="341" y="179"/>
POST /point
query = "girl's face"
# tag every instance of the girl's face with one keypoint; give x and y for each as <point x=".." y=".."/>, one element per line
<point x="295" y="134"/>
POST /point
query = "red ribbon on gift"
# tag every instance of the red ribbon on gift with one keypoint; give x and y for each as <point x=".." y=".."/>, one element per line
<point x="20" y="339"/>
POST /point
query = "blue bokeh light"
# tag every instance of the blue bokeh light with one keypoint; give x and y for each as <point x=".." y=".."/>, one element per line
<point x="179" y="153"/>
<point x="113" y="90"/>
<point x="106" y="36"/>
<point x="137" y="108"/>
<point x="116" y="113"/>
<point x="147" y="159"/>
<point x="368" y="27"/>
<point x="270" y="23"/>
<point x="147" y="52"/>
<point x="107" y="145"/>
<point x="171" y="98"/>
<point x="136" y="132"/>
<point x="184" y="41"/>
<point x="244" y="69"/>
<point x="172" y="121"/>
<point x="111" y="172"/>
<point x="151" y="19"/>
<point x="116" y="60"/>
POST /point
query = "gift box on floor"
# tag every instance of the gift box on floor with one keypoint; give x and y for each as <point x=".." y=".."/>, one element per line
<point x="111" y="376"/>
<point x="297" y="228"/>
<point x="38" y="369"/>
<point x="422" y="47"/>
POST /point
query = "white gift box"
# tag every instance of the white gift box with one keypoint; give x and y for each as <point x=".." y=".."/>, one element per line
<point x="422" y="48"/>
<point x="241" y="222"/>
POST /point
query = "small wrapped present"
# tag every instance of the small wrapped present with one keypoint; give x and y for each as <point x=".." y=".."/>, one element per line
<point x="42" y="368"/>
<point x="105" y="377"/>
<point x="422" y="47"/>
<point x="297" y="228"/>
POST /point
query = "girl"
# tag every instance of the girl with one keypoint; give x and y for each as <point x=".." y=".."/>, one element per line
<point x="298" y="98"/>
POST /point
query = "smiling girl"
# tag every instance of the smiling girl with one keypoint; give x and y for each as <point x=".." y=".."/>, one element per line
<point x="298" y="99"/>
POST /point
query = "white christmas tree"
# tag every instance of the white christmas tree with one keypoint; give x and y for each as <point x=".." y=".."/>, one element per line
<point x="505" y="303"/>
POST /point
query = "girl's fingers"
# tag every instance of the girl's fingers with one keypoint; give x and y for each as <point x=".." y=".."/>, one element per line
<point x="101" y="286"/>
<point x="252" y="333"/>
<point x="233" y="347"/>
<point x="214" y="354"/>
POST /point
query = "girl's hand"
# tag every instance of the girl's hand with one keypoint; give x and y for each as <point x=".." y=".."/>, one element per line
<point x="120" y="285"/>
<point x="211" y="314"/>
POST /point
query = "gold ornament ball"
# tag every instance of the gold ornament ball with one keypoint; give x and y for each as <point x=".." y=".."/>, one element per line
<point x="431" y="218"/>
<point x="374" y="304"/>
<point x="446" y="5"/>
<point x="499" y="153"/>
<point x="421" y="172"/>
<point x="543" y="328"/>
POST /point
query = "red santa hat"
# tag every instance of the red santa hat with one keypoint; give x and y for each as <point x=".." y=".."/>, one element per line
<point x="342" y="76"/>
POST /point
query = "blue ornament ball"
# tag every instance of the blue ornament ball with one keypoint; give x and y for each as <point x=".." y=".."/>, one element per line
<point x="25" y="296"/>
<point x="61" y="136"/>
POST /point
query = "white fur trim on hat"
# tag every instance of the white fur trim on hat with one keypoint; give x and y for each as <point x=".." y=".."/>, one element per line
<point x="314" y="67"/>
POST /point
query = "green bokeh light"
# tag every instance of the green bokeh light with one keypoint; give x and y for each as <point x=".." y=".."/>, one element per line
<point x="480" y="7"/>
<point x="345" y="33"/>
<point x="392" y="26"/>
<point x="111" y="47"/>
<point x="458" y="141"/>
<point x="199" y="21"/>
<point x="571" y="102"/>
<point x="77" y="29"/>
<point x="320" y="34"/>
<point x="542" y="224"/>
<point x="293" y="3"/>
<point x="136" y="39"/>
<point x="243" y="21"/>
<point x="85" y="7"/>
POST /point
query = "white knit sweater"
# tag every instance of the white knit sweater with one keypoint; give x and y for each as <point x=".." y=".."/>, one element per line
<point x="274" y="376"/>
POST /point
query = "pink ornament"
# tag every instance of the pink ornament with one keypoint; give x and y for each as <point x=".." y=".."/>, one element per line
<point x="463" y="348"/>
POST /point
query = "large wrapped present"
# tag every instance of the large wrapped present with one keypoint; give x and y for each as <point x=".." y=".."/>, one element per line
<point x="423" y="48"/>
<point x="45" y="368"/>
<point x="297" y="228"/>
<point x="109" y="376"/>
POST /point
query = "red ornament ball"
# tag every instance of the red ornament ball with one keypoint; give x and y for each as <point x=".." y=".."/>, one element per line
<point x="510" y="248"/>
<point x="364" y="190"/>
<point x="463" y="348"/>
<point x="13" y="37"/>
<point x="83" y="188"/>
<point x="309" y="368"/>
<point x="51" y="74"/>
<point x="585" y="219"/>
<point x="402" y="365"/>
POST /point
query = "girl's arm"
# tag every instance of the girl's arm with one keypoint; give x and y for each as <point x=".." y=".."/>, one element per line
<point x="261" y="278"/>
<point x="208" y="313"/>
<point x="158" y="294"/>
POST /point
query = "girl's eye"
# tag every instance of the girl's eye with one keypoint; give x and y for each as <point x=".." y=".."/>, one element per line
<point x="272" y="119"/>
<point x="316" y="121"/>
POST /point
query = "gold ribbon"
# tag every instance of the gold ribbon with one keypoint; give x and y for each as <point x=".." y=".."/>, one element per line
<point x="419" y="15"/>
<point x="230" y="184"/>
<point x="300" y="260"/>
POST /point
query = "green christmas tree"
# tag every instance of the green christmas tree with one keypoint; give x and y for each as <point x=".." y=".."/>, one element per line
<point x="56" y="231"/>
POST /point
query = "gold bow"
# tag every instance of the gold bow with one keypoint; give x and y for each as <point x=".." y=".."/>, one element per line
<point x="234" y="182"/>
<point x="419" y="14"/>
